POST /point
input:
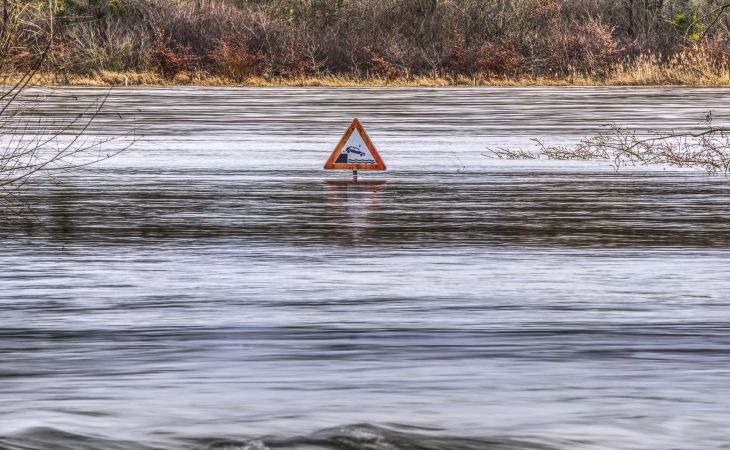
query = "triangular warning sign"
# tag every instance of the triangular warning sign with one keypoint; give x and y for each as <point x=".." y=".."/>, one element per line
<point x="355" y="151"/>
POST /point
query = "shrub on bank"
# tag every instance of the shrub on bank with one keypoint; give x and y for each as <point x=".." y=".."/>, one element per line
<point x="239" y="40"/>
<point x="170" y="58"/>
<point x="232" y="58"/>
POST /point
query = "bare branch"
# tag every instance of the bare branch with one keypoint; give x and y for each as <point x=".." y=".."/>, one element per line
<point x="30" y="145"/>
<point x="708" y="149"/>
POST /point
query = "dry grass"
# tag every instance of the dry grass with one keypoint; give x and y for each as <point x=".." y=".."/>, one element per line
<point x="643" y="72"/>
<point x="693" y="66"/>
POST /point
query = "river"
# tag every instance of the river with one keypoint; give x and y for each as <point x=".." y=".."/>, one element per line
<point x="213" y="288"/>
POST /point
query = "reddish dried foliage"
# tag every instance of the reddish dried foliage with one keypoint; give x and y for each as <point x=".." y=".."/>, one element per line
<point x="295" y="64"/>
<point x="379" y="67"/>
<point x="233" y="59"/>
<point x="456" y="61"/>
<point x="499" y="59"/>
<point x="170" y="58"/>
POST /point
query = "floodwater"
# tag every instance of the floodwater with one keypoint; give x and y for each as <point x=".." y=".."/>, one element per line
<point x="213" y="288"/>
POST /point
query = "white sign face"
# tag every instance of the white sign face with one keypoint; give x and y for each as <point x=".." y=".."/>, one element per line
<point x="355" y="151"/>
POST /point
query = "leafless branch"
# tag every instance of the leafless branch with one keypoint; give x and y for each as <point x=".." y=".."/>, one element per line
<point x="30" y="145"/>
<point x="708" y="149"/>
<point x="508" y="153"/>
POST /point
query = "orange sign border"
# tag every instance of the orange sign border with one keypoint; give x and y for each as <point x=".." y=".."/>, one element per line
<point x="355" y="125"/>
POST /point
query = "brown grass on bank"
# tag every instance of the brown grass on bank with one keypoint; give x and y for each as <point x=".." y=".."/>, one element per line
<point x="236" y="65"/>
<point x="683" y="70"/>
<point x="694" y="66"/>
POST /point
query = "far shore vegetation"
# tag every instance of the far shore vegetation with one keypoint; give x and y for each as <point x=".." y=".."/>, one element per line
<point x="370" y="42"/>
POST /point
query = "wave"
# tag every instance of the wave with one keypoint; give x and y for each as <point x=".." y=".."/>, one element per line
<point x="349" y="437"/>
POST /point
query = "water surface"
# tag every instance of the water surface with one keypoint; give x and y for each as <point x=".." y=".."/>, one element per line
<point x="214" y="288"/>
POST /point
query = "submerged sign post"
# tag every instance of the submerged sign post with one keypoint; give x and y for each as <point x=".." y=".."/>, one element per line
<point x="355" y="152"/>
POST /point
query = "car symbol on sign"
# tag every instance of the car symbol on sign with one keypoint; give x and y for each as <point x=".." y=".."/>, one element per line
<point x="356" y="150"/>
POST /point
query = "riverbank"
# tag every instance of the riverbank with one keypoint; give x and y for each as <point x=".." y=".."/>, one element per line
<point x="644" y="76"/>
<point x="367" y="43"/>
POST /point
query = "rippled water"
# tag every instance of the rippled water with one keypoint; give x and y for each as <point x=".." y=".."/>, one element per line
<point x="214" y="288"/>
